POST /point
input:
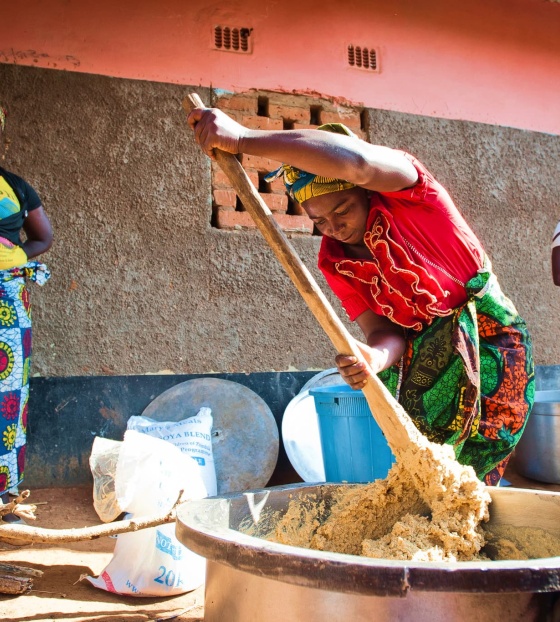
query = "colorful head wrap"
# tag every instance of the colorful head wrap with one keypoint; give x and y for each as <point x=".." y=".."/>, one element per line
<point x="302" y="185"/>
<point x="2" y="118"/>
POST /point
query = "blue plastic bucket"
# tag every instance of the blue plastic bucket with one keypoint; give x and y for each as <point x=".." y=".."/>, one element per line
<point x="354" y="447"/>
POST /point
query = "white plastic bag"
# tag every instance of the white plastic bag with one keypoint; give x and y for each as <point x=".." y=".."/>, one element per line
<point x="152" y="562"/>
<point x="103" y="463"/>
<point x="193" y="436"/>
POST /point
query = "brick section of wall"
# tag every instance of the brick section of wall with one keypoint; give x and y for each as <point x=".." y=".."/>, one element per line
<point x="276" y="202"/>
<point x="268" y="110"/>
<point x="232" y="219"/>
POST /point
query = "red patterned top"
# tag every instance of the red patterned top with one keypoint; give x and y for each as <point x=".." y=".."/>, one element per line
<point x="423" y="254"/>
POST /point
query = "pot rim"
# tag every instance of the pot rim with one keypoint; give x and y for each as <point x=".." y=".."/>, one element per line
<point x="202" y="525"/>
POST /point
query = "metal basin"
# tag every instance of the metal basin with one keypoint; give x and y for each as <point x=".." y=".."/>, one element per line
<point x="537" y="455"/>
<point x="251" y="580"/>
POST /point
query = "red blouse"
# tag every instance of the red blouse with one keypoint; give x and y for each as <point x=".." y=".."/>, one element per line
<point x="423" y="255"/>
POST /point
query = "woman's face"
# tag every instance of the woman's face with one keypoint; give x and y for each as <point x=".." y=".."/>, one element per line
<point x="340" y="215"/>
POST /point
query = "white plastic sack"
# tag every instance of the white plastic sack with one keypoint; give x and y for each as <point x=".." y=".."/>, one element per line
<point x="193" y="436"/>
<point x="103" y="464"/>
<point x="152" y="562"/>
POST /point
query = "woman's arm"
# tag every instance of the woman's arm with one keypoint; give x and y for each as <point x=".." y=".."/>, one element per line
<point x="39" y="233"/>
<point x="555" y="255"/>
<point x="556" y="265"/>
<point x="384" y="347"/>
<point x="323" y="153"/>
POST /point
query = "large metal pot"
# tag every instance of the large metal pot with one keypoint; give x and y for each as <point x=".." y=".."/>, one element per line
<point x="537" y="454"/>
<point x="249" y="579"/>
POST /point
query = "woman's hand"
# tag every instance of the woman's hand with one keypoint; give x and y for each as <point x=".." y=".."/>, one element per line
<point x="213" y="129"/>
<point x="385" y="347"/>
<point x="356" y="373"/>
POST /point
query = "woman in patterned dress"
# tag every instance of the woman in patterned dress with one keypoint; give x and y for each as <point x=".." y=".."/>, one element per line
<point x="20" y="209"/>
<point x="408" y="269"/>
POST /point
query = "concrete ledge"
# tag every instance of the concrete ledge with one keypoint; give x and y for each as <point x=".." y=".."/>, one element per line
<point x="66" y="414"/>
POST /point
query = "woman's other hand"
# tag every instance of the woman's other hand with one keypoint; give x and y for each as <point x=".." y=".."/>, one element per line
<point x="384" y="348"/>
<point x="213" y="129"/>
<point x="354" y="372"/>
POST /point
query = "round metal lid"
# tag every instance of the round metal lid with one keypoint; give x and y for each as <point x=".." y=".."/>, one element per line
<point x="245" y="439"/>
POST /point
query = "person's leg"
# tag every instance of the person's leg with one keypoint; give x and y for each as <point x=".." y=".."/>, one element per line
<point x="15" y="353"/>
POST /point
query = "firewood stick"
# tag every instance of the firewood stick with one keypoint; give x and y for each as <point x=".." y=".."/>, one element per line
<point x="39" y="535"/>
<point x="19" y="571"/>
<point x="14" y="585"/>
<point x="18" y="508"/>
<point x="23" y="495"/>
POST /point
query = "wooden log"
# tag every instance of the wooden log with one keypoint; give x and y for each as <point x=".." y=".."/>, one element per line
<point x="18" y="508"/>
<point x="19" y="571"/>
<point x="14" y="585"/>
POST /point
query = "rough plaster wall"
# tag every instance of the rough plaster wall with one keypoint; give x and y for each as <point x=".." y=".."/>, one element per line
<point x="142" y="283"/>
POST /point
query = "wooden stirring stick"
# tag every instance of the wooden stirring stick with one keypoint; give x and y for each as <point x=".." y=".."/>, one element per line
<point x="458" y="500"/>
<point x="393" y="420"/>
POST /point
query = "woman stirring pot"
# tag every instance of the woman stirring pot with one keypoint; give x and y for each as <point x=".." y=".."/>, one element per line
<point x="438" y="330"/>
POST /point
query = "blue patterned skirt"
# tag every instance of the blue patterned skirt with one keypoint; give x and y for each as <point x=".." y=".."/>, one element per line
<point x="15" y="360"/>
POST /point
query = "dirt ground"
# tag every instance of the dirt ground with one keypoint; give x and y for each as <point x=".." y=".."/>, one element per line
<point x="60" y="594"/>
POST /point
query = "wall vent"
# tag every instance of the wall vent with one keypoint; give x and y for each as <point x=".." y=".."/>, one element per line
<point x="233" y="39"/>
<point x="363" y="57"/>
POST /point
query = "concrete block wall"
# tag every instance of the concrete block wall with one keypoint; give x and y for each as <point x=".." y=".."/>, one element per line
<point x="266" y="110"/>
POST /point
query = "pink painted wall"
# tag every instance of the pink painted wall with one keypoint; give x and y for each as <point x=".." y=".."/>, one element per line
<point x="492" y="61"/>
